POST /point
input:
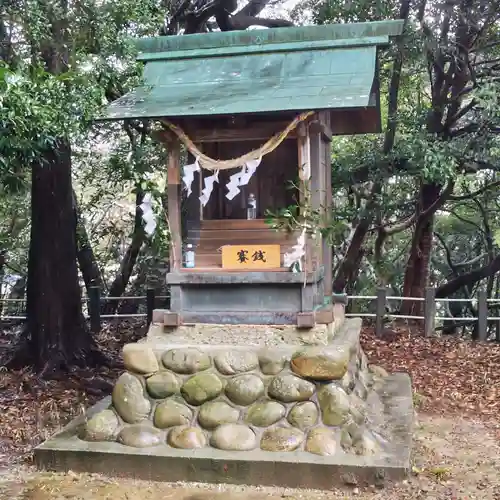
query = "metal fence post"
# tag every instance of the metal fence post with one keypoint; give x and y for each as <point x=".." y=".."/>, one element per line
<point x="95" y="309"/>
<point x="429" y="311"/>
<point x="380" y="311"/>
<point x="150" y="304"/>
<point x="482" y="315"/>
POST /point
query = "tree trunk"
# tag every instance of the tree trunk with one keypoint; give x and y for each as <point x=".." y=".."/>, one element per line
<point x="122" y="278"/>
<point x="349" y="268"/>
<point x="416" y="277"/>
<point x="87" y="262"/>
<point x="57" y="335"/>
<point x="469" y="279"/>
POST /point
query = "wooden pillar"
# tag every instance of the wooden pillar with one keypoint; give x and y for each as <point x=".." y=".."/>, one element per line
<point x="429" y="311"/>
<point x="174" y="204"/>
<point x="304" y="157"/>
<point x="326" y="137"/>
<point x="316" y="185"/>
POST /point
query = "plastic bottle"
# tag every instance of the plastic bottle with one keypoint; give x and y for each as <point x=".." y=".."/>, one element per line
<point x="251" y="207"/>
<point x="189" y="256"/>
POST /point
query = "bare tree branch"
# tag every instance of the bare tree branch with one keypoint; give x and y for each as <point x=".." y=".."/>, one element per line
<point x="469" y="279"/>
<point x="475" y="193"/>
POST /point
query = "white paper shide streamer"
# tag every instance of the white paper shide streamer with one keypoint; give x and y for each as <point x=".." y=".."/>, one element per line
<point x="188" y="175"/>
<point x="236" y="181"/>
<point x="293" y="259"/>
<point x="148" y="215"/>
<point x="241" y="178"/>
<point x="208" y="187"/>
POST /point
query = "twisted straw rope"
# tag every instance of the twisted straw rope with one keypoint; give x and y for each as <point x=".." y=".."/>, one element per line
<point x="210" y="164"/>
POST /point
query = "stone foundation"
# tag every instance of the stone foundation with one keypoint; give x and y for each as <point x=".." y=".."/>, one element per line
<point x="277" y="401"/>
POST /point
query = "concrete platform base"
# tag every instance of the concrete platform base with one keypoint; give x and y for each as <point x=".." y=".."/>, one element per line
<point x="66" y="451"/>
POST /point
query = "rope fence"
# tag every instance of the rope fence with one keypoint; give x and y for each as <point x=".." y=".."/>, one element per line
<point x="430" y="306"/>
<point x="95" y="309"/>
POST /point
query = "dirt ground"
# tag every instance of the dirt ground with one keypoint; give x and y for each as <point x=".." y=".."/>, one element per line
<point x="453" y="459"/>
<point x="456" y="441"/>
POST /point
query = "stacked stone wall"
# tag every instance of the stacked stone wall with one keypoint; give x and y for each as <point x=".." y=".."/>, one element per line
<point x="279" y="399"/>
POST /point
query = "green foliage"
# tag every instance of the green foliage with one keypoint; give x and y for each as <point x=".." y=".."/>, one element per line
<point x="41" y="109"/>
<point x="41" y="103"/>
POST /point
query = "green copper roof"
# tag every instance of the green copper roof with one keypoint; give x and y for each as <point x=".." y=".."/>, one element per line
<point x="283" y="69"/>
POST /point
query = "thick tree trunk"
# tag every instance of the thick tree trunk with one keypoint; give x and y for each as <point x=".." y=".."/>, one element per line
<point x="57" y="335"/>
<point x="416" y="277"/>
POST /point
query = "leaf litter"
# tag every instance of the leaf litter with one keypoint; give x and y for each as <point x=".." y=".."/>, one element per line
<point x="456" y="384"/>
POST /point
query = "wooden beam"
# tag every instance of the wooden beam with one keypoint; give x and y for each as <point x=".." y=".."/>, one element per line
<point x="171" y="319"/>
<point x="327" y="249"/>
<point x="259" y="133"/>
<point x="304" y="167"/>
<point x="324" y="315"/>
<point x="316" y="187"/>
<point x="306" y="320"/>
<point x="174" y="208"/>
<point x="318" y="126"/>
<point x="221" y="132"/>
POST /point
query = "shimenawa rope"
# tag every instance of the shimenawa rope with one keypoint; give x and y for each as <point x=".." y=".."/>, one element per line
<point x="210" y="164"/>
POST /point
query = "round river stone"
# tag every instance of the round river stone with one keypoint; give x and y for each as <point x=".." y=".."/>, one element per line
<point x="281" y="439"/>
<point x="360" y="388"/>
<point x="201" y="388"/>
<point x="265" y="413"/>
<point x="366" y="444"/>
<point x="271" y="361"/>
<point x="289" y="388"/>
<point x="303" y="415"/>
<point x="233" y="437"/>
<point x="187" y="438"/>
<point x="358" y="409"/>
<point x="215" y="413"/>
<point x="348" y="381"/>
<point x="186" y="360"/>
<point x="244" y="389"/>
<point x="103" y="426"/>
<point x="321" y="441"/>
<point x="171" y="413"/>
<point x="162" y="385"/>
<point x="321" y="363"/>
<point x="140" y="436"/>
<point x="128" y="399"/>
<point x="334" y="404"/>
<point x="345" y="440"/>
<point x="354" y="429"/>
<point x="140" y="359"/>
<point x="233" y="362"/>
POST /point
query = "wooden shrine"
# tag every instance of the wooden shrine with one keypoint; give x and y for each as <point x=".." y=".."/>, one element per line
<point x="219" y="97"/>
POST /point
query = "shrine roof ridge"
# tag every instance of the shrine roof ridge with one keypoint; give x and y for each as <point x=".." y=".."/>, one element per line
<point x="267" y="40"/>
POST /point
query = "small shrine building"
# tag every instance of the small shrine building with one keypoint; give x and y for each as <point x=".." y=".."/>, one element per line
<point x="253" y="113"/>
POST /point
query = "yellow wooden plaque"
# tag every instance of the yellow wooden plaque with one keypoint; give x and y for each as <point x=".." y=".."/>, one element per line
<point x="251" y="256"/>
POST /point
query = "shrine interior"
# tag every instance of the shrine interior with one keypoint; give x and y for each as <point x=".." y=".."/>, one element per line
<point x="223" y="221"/>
